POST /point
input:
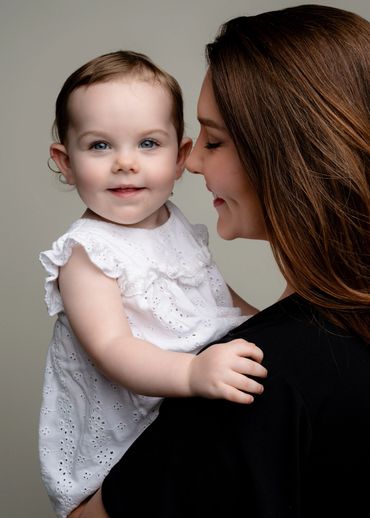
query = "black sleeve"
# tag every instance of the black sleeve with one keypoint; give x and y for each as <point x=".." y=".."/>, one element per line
<point x="213" y="458"/>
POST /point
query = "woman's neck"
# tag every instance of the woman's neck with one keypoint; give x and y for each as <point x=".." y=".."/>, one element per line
<point x="289" y="290"/>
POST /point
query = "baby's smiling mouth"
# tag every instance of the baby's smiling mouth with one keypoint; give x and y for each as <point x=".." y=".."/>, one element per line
<point x="126" y="190"/>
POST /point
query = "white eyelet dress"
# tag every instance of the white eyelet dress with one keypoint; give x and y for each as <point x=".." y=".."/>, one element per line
<point x="174" y="296"/>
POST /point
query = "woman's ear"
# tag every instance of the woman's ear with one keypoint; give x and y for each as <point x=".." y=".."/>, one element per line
<point x="184" y="150"/>
<point x="59" y="153"/>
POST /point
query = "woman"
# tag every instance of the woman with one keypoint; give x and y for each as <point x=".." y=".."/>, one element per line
<point x="284" y="148"/>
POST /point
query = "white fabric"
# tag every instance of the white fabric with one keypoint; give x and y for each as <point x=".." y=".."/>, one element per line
<point x="173" y="295"/>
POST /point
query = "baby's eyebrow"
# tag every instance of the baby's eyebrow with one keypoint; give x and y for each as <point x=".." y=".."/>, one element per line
<point x="155" y="130"/>
<point x="91" y="133"/>
<point x="102" y="134"/>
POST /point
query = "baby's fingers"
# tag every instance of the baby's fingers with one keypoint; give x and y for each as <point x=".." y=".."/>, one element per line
<point x="239" y="388"/>
<point x="245" y="384"/>
<point x="237" y="396"/>
<point x="249" y="367"/>
<point x="248" y="349"/>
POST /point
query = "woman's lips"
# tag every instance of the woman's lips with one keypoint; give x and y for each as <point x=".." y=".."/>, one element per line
<point x="217" y="202"/>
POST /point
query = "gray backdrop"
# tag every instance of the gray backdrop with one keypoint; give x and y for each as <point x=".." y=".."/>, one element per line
<point x="42" y="42"/>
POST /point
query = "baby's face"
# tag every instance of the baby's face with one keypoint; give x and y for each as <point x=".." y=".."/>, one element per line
<point x="122" y="150"/>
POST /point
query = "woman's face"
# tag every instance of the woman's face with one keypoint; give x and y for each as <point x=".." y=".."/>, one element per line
<point x="215" y="157"/>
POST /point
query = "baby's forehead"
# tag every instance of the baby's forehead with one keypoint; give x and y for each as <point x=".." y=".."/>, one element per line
<point x="132" y="80"/>
<point x="120" y="105"/>
<point x="123" y="87"/>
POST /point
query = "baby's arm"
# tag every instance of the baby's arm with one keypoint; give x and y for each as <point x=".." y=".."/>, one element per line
<point x="93" y="304"/>
<point x="240" y="303"/>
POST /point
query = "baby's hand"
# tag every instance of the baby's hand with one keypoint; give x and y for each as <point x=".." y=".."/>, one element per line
<point x="221" y="372"/>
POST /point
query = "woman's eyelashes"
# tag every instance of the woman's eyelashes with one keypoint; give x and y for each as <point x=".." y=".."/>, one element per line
<point x="212" y="145"/>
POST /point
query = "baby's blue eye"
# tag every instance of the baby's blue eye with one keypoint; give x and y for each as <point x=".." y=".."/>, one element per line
<point x="99" y="146"/>
<point x="148" y="144"/>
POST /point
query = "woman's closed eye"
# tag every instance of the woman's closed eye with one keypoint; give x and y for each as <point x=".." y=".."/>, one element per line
<point x="212" y="145"/>
<point x="148" y="143"/>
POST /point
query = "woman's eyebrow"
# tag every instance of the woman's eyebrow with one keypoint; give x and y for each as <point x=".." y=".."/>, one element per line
<point x="211" y="123"/>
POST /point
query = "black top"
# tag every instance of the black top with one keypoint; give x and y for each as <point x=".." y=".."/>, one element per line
<point x="302" y="449"/>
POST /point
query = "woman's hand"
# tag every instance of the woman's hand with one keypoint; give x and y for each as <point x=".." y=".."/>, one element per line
<point x="222" y="370"/>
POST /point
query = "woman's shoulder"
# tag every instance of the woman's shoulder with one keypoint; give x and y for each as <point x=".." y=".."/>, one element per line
<point x="293" y="314"/>
<point x="300" y="343"/>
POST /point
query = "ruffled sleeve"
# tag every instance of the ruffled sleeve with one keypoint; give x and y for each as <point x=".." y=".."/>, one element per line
<point x="136" y="257"/>
<point x="100" y="252"/>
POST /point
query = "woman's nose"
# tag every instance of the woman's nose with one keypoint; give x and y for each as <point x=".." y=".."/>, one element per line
<point x="193" y="162"/>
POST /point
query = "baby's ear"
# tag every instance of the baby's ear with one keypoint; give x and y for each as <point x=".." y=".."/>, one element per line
<point x="59" y="153"/>
<point x="184" y="150"/>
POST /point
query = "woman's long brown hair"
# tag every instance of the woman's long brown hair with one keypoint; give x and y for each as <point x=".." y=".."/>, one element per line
<point x="293" y="89"/>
